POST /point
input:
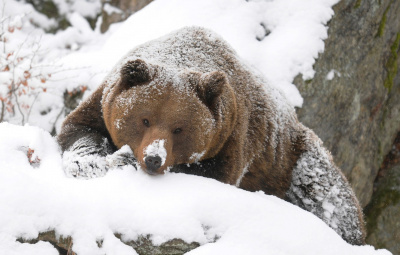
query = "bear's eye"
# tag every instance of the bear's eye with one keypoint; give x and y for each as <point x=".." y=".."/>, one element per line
<point x="146" y="122"/>
<point x="177" y="131"/>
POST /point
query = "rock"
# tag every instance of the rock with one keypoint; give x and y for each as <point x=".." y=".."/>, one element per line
<point x="50" y="9"/>
<point x="119" y="10"/>
<point x="143" y="246"/>
<point x="383" y="212"/>
<point x="353" y="101"/>
<point x="62" y="244"/>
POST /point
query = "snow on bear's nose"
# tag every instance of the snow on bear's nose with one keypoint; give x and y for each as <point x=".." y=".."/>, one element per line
<point x="155" y="155"/>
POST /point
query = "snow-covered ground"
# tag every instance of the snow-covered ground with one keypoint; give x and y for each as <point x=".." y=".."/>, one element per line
<point x="281" y="38"/>
<point x="38" y="198"/>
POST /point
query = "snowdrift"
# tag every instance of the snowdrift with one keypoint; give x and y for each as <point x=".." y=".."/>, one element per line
<point x="36" y="197"/>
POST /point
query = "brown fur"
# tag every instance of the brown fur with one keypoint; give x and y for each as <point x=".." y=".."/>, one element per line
<point x="249" y="137"/>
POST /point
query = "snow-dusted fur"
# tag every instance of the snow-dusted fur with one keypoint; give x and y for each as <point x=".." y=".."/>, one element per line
<point x="86" y="159"/>
<point x="319" y="186"/>
<point x="241" y="130"/>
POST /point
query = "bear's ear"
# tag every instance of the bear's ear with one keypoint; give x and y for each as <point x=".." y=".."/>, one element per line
<point x="135" y="72"/>
<point x="210" y="87"/>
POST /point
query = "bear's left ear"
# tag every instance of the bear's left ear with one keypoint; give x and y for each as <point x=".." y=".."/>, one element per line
<point x="135" y="72"/>
<point x="210" y="87"/>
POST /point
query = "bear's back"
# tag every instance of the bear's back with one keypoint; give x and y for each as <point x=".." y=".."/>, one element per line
<point x="192" y="48"/>
<point x="202" y="50"/>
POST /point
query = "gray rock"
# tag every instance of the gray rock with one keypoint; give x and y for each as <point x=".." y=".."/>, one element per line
<point x="383" y="213"/>
<point x="357" y="113"/>
<point x="123" y="9"/>
<point x="143" y="245"/>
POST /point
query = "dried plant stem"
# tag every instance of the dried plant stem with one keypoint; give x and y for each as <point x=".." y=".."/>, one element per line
<point x="2" y="111"/>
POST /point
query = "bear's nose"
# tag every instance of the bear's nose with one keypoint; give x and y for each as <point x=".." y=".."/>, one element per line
<point x="152" y="163"/>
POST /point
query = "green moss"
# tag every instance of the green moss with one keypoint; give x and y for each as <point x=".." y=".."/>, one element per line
<point x="308" y="81"/>
<point x="387" y="194"/>
<point x="381" y="28"/>
<point x="358" y="3"/>
<point x="391" y="64"/>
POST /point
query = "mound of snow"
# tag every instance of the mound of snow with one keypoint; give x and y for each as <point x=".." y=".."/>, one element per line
<point x="39" y="197"/>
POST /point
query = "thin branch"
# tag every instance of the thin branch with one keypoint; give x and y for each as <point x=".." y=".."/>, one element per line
<point x="58" y="116"/>
<point x="2" y="111"/>
<point x="30" y="108"/>
<point x="19" y="107"/>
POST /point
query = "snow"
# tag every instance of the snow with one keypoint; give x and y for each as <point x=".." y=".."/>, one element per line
<point x="296" y="33"/>
<point x="132" y="203"/>
<point x="86" y="8"/>
<point x="242" y="174"/>
<point x="156" y="148"/>
<point x="109" y="9"/>
<point x="331" y="74"/>
<point x="197" y="156"/>
<point x="279" y="38"/>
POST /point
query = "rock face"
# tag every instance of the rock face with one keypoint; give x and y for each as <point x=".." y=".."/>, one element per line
<point x="383" y="212"/>
<point x="143" y="245"/>
<point x="118" y="10"/>
<point x="353" y="102"/>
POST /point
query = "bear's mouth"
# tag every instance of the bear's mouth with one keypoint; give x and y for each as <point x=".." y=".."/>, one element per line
<point x="152" y="173"/>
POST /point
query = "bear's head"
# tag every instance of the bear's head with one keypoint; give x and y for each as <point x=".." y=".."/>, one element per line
<point x="169" y="117"/>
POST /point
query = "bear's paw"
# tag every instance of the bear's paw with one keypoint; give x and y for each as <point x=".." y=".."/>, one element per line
<point x="122" y="157"/>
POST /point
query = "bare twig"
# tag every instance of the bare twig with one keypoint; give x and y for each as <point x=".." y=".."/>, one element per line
<point x="2" y="111"/>
<point x="19" y="107"/>
<point x="55" y="122"/>
<point x="31" y="106"/>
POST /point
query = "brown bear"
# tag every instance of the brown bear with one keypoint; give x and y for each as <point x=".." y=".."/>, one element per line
<point x="187" y="103"/>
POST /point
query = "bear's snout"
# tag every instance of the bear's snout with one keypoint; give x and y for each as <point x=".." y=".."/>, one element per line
<point x="153" y="163"/>
<point x="153" y="156"/>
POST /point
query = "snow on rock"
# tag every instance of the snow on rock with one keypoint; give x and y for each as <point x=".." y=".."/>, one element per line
<point x="86" y="8"/>
<point x="132" y="203"/>
<point x="11" y="8"/>
<point x="109" y="9"/>
<point x="332" y="74"/>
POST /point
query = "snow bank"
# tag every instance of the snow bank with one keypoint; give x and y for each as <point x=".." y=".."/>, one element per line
<point x="195" y="209"/>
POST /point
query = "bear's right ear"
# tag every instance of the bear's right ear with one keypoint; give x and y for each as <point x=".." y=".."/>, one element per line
<point x="135" y="72"/>
<point x="210" y="88"/>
